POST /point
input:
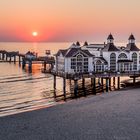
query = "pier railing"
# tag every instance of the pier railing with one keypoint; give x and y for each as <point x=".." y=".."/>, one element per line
<point x="96" y="74"/>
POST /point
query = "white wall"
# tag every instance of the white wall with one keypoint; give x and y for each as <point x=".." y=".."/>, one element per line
<point x="68" y="65"/>
<point x="60" y="63"/>
<point x="106" y="56"/>
<point x="90" y="64"/>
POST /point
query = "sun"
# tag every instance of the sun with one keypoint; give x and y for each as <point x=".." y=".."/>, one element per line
<point x="34" y="34"/>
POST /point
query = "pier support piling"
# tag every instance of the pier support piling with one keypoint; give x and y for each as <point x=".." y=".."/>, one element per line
<point x="45" y="66"/>
<point x="110" y="84"/>
<point x="6" y="57"/>
<point x="30" y="66"/>
<point x="3" y="56"/>
<point x="134" y="80"/>
<point x="23" y="63"/>
<point x="94" y="86"/>
<point x="102" y="83"/>
<point x="76" y="88"/>
<point x="83" y="86"/>
<point x="118" y="82"/>
<point x="14" y="59"/>
<point x="19" y="61"/>
<point x="107" y="84"/>
<point x="114" y="82"/>
<point x="64" y="87"/>
<point x="54" y="85"/>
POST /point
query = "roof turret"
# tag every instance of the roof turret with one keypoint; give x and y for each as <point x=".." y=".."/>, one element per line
<point x="86" y="43"/>
<point x="77" y="43"/>
<point x="131" y="37"/>
<point x="110" y="37"/>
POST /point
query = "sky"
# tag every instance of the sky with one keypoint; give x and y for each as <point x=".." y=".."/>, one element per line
<point x="69" y="20"/>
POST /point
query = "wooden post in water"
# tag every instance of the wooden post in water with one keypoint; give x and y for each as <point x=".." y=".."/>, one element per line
<point x="23" y="63"/>
<point x="6" y="57"/>
<point x="14" y="59"/>
<point x="54" y="85"/>
<point x="64" y="87"/>
<point x="102" y="82"/>
<point x="107" y="83"/>
<point x="19" y="61"/>
<point x="76" y="88"/>
<point x="94" y="86"/>
<point x="83" y="86"/>
<point x="134" y="80"/>
<point x="70" y="84"/>
<point x="114" y="82"/>
<point x="3" y="56"/>
<point x="118" y="82"/>
<point x="45" y="66"/>
<point x="30" y="66"/>
<point x="10" y="59"/>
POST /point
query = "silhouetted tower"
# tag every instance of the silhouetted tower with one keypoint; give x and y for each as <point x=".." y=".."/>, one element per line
<point x="77" y="43"/>
<point x="131" y="39"/>
<point x="110" y="39"/>
<point x="86" y="43"/>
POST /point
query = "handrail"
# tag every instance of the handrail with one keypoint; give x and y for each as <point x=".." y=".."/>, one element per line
<point x="105" y="74"/>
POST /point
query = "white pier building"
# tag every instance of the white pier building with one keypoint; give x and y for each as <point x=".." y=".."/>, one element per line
<point x="96" y="58"/>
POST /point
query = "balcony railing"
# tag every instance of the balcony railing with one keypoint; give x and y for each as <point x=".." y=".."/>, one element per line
<point x="95" y="74"/>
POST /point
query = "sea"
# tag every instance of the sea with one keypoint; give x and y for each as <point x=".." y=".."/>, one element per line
<point x="21" y="91"/>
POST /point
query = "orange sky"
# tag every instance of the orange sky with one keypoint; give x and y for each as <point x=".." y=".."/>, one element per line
<point x="68" y="20"/>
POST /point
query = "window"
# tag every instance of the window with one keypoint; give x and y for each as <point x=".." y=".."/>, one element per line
<point x="79" y="57"/>
<point x="79" y="63"/>
<point x="134" y="58"/>
<point x="98" y="66"/>
<point x="113" y="62"/>
<point x="123" y="65"/>
<point x="122" y="56"/>
<point x="85" y="64"/>
<point x="73" y="64"/>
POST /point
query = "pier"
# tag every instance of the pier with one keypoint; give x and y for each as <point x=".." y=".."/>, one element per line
<point x="100" y="82"/>
<point x="102" y="64"/>
<point x="27" y="59"/>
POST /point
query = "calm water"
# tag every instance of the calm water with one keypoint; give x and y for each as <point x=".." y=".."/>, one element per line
<point x="22" y="91"/>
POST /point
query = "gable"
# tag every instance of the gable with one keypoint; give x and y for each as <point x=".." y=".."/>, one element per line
<point x="100" y="59"/>
<point x="74" y="51"/>
<point x="61" y="53"/>
<point x="80" y="53"/>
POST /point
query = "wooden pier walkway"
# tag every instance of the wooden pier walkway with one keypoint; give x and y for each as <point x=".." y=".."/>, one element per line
<point x="107" y="80"/>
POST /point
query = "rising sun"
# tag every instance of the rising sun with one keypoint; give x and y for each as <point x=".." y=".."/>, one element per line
<point x="34" y="34"/>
